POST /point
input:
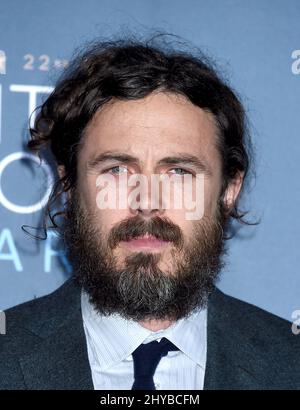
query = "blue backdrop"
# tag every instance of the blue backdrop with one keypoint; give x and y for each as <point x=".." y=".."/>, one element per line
<point x="256" y="43"/>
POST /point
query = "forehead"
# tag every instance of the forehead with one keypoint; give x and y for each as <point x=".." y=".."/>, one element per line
<point x="153" y="126"/>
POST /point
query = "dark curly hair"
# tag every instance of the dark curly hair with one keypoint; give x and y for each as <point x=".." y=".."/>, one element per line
<point x="128" y="70"/>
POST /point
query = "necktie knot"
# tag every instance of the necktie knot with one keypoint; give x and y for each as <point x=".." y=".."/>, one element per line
<point x="146" y="358"/>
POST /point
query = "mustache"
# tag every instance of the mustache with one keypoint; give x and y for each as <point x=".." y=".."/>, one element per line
<point x="161" y="228"/>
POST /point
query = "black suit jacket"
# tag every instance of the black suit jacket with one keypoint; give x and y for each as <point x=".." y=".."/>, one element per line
<point x="45" y="347"/>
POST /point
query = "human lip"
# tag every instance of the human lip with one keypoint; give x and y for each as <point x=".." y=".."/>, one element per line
<point x="145" y="241"/>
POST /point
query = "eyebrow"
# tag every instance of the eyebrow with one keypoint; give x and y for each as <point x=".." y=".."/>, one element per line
<point x="180" y="159"/>
<point x="189" y="160"/>
<point x="111" y="156"/>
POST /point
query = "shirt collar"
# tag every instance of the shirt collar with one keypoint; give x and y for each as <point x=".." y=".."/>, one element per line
<point x="113" y="338"/>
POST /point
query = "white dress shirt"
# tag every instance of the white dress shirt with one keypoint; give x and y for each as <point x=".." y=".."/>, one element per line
<point x="112" y="339"/>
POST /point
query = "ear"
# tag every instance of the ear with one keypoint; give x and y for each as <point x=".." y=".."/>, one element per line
<point x="61" y="171"/>
<point x="233" y="190"/>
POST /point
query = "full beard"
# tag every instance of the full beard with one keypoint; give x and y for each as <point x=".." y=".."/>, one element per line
<point x="139" y="289"/>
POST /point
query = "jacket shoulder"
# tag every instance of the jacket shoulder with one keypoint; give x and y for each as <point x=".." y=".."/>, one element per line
<point x="262" y="335"/>
<point x="28" y="326"/>
<point x="253" y="319"/>
<point x="29" y="322"/>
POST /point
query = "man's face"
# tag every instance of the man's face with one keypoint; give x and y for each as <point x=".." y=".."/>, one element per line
<point x="155" y="249"/>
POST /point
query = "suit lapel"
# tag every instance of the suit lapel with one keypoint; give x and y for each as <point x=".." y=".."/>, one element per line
<point x="224" y="368"/>
<point x="60" y="360"/>
<point x="232" y="363"/>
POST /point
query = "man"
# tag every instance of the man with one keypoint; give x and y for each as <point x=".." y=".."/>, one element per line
<point x="141" y="310"/>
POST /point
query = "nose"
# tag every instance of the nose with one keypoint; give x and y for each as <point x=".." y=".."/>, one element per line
<point x="148" y="213"/>
<point x="149" y="202"/>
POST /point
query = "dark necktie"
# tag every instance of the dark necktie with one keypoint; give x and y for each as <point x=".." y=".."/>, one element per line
<point x="145" y="359"/>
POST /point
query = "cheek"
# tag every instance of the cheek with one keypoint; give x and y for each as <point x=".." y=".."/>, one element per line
<point x="108" y="218"/>
<point x="105" y="218"/>
<point x="197" y="199"/>
<point x="211" y="195"/>
<point x="178" y="217"/>
<point x="88" y="193"/>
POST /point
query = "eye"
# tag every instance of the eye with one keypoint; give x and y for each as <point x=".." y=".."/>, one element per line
<point x="180" y="171"/>
<point x="117" y="170"/>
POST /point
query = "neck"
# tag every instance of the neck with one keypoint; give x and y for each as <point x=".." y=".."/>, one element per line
<point x="156" y="325"/>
